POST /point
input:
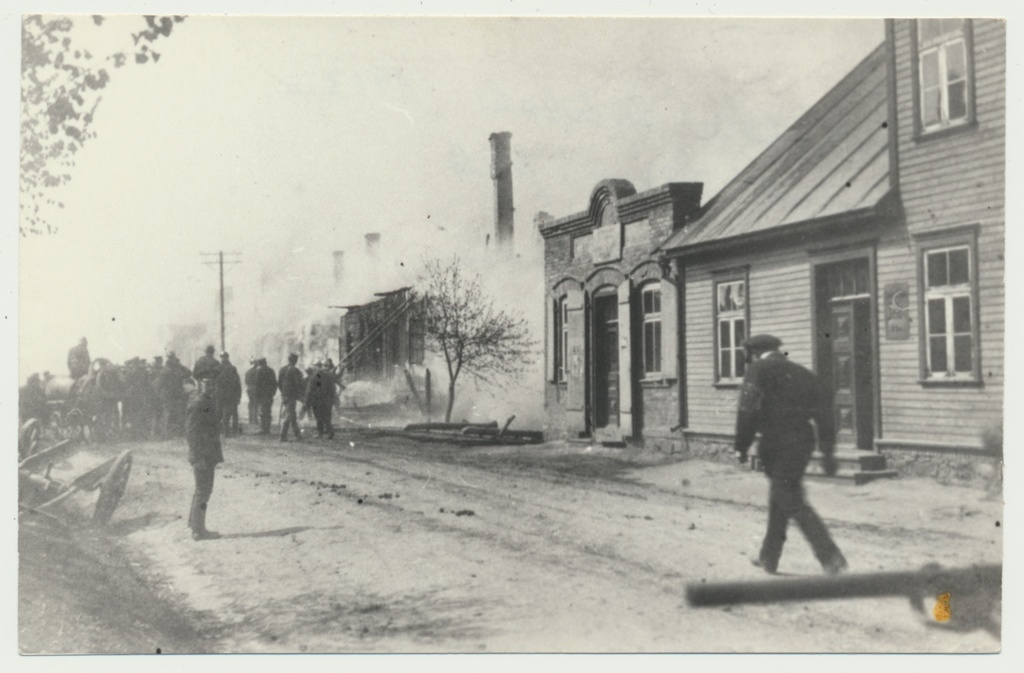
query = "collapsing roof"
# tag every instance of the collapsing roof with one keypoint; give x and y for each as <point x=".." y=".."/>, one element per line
<point x="833" y="161"/>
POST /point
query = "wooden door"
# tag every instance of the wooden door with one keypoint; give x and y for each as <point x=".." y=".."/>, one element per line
<point x="606" y="361"/>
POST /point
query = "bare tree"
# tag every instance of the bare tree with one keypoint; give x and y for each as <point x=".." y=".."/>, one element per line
<point x="465" y="327"/>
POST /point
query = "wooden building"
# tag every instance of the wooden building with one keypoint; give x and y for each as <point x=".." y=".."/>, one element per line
<point x="382" y="337"/>
<point x="868" y="237"/>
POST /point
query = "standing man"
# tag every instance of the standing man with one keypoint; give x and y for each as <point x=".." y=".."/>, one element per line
<point x="266" y="388"/>
<point x="79" y="360"/>
<point x="173" y="400"/>
<point x="779" y="399"/>
<point x="206" y="367"/>
<point x="250" y="390"/>
<point x="320" y="399"/>
<point x="289" y="380"/>
<point x="229" y="394"/>
<point x="202" y="430"/>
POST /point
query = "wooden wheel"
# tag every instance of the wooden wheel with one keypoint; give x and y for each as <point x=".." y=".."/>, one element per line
<point x="112" y="488"/>
<point x="29" y="438"/>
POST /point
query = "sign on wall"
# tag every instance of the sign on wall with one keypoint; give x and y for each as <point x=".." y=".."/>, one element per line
<point x="897" y="311"/>
<point x="606" y="245"/>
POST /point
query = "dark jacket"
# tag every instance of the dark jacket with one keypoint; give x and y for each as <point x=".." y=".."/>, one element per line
<point x="229" y="385"/>
<point x="320" y="388"/>
<point x="289" y="380"/>
<point x="266" y="384"/>
<point x="170" y="381"/>
<point x="202" y="429"/>
<point x="779" y="398"/>
<point x="206" y="367"/>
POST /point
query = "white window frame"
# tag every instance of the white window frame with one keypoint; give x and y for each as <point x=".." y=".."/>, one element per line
<point x="939" y="47"/>
<point x="947" y="294"/>
<point x="730" y="316"/>
<point x="651" y="319"/>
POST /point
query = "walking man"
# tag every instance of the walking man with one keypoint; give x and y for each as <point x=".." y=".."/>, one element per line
<point x="202" y="430"/>
<point x="289" y="380"/>
<point x="780" y="399"/>
<point x="229" y="394"/>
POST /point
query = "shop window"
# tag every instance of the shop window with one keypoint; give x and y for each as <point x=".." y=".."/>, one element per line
<point x="731" y="328"/>
<point x="950" y="312"/>
<point x="651" y="307"/>
<point x="944" y="65"/>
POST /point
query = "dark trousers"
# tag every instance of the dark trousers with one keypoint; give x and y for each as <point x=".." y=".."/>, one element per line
<point x="266" y="409"/>
<point x="322" y="414"/>
<point x="253" y="411"/>
<point x="229" y="419"/>
<point x="288" y="419"/>
<point x="786" y="500"/>
<point x="203" y="472"/>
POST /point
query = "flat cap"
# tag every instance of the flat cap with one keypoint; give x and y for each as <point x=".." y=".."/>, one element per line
<point x="760" y="343"/>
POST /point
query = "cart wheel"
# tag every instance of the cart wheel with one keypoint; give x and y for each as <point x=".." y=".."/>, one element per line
<point x="28" y="438"/>
<point x="112" y="488"/>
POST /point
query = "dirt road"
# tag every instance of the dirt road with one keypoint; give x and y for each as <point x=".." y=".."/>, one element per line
<point x="378" y="543"/>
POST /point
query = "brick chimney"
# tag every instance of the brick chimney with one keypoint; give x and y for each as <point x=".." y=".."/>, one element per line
<point x="501" y="174"/>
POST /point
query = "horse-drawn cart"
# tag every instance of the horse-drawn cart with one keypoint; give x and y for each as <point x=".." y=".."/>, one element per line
<point x="38" y="491"/>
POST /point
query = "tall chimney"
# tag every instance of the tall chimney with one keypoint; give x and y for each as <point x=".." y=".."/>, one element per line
<point x="501" y="174"/>
<point x="339" y="268"/>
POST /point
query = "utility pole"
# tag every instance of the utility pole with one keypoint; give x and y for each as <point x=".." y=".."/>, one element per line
<point x="217" y="258"/>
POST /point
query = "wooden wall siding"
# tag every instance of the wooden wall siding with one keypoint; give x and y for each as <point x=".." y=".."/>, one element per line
<point x="944" y="182"/>
<point x="780" y="304"/>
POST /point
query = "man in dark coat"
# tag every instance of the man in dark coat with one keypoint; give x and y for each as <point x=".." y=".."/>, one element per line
<point x="780" y="399"/>
<point x="289" y="380"/>
<point x="206" y="367"/>
<point x="250" y="391"/>
<point x="202" y="430"/>
<point x="32" y="400"/>
<point x="173" y="400"/>
<point x="229" y="394"/>
<point x="320" y="400"/>
<point x="79" y="360"/>
<point x="266" y="388"/>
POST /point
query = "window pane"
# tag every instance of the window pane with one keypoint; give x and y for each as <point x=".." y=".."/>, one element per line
<point x="930" y="70"/>
<point x="962" y="353"/>
<point x="648" y="346"/>
<point x="656" y="301"/>
<point x="738" y="332"/>
<point x="740" y="295"/>
<point x="741" y="364"/>
<point x="961" y="314"/>
<point x="959" y="266"/>
<point x="931" y="107"/>
<point x="937" y="316"/>
<point x="938" y="363"/>
<point x="647" y="302"/>
<point x="958" y="100"/>
<point x="861" y="279"/>
<point x="723" y="334"/>
<point x="725" y="367"/>
<point x="656" y="349"/>
<point x="956" y="62"/>
<point x="937" y="272"/>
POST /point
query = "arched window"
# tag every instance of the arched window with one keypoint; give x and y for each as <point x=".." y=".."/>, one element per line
<point x="561" y="337"/>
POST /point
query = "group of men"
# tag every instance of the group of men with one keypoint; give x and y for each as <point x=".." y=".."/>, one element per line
<point x="316" y="389"/>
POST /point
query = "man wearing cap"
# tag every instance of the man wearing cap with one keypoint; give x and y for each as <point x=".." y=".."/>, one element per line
<point x="202" y="431"/>
<point x="289" y="380"/>
<point x="229" y="394"/>
<point x="780" y="399"/>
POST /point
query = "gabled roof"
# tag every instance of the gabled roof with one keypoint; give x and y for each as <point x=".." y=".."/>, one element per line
<point x="834" y="160"/>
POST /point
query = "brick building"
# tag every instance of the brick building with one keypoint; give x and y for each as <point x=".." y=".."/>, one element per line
<point x="868" y="237"/>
